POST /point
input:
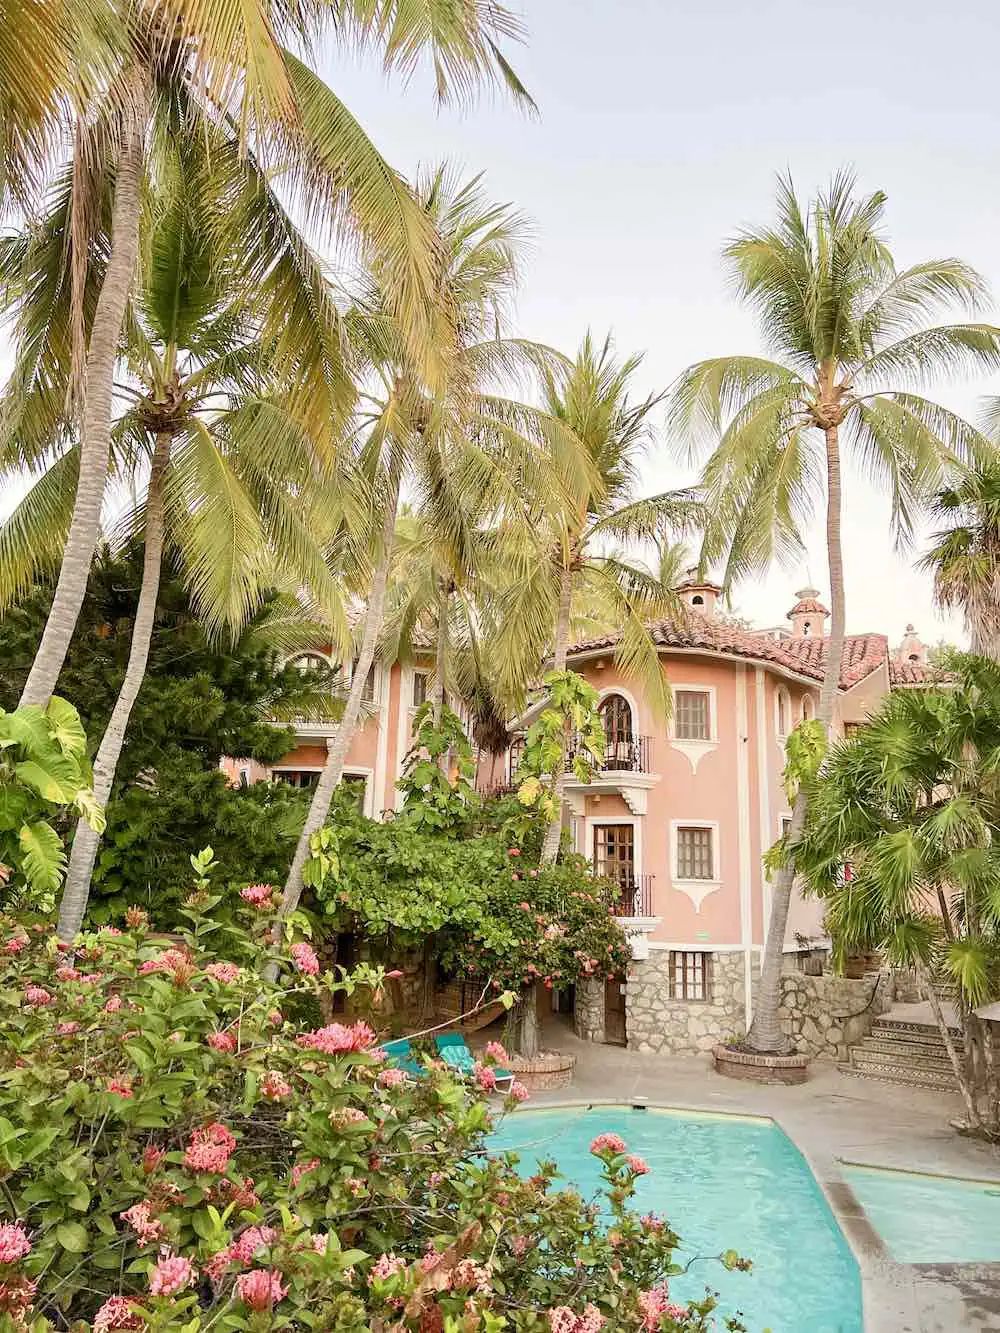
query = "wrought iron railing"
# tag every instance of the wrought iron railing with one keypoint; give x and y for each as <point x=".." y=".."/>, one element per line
<point x="631" y="896"/>
<point x="622" y="754"/>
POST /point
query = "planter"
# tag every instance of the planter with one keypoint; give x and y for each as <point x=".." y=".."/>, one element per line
<point x="546" y="1072"/>
<point x="757" y="1068"/>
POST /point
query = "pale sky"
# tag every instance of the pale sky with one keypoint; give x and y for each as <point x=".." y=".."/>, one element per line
<point x="661" y="128"/>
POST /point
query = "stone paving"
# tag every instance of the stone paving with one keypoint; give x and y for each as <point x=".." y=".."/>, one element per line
<point x="829" y="1118"/>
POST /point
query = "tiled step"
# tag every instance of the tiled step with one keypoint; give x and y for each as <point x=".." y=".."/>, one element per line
<point x="912" y="1078"/>
<point x="911" y="1031"/>
<point x="905" y="1049"/>
<point x="864" y="1057"/>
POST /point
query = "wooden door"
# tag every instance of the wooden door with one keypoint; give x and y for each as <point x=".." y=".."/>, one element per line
<point x="614" y="1012"/>
<point x="614" y="856"/>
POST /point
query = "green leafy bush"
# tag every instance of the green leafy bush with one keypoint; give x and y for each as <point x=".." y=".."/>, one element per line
<point x="44" y="779"/>
<point x="176" y="1152"/>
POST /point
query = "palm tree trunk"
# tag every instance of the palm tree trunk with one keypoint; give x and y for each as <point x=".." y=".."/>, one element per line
<point x="332" y="772"/>
<point x="927" y="985"/>
<point x="550" y="845"/>
<point x="95" y="433"/>
<point x="76" y="891"/>
<point x="765" y="1034"/>
<point x="441" y="653"/>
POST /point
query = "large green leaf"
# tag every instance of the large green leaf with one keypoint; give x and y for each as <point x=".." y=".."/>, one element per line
<point x="43" y="857"/>
<point x="66" y="727"/>
<point x="27" y="727"/>
<point x="53" y="782"/>
<point x="13" y="804"/>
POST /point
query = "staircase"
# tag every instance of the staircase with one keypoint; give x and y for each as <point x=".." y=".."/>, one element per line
<point x="906" y="1052"/>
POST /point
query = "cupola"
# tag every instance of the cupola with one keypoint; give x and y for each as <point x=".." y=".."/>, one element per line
<point x="699" y="594"/>
<point x="808" y="615"/>
<point x="911" y="649"/>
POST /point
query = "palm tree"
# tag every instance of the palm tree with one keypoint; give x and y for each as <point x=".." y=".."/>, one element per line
<point x="851" y="337"/>
<point x="232" y="479"/>
<point x="965" y="557"/>
<point x="911" y="802"/>
<point x="224" y="64"/>
<point x="571" y="566"/>
<point x="452" y="442"/>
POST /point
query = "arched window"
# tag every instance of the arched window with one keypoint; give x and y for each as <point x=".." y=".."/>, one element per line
<point x="310" y="662"/>
<point x="808" y="708"/>
<point x="697" y="600"/>
<point x="807" y="629"/>
<point x="782" y="711"/>
<point x="617" y="716"/>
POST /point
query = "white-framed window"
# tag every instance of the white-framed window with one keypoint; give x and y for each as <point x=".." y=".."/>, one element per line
<point x="695" y="851"/>
<point x="808" y="708"/>
<point x="782" y="712"/>
<point x="419" y="695"/>
<point x="785" y="825"/>
<point x="303" y="779"/>
<point x="357" y="784"/>
<point x="309" y="662"/>
<point x="692" y="715"/>
<point x="368" y="693"/>
<point x="690" y="975"/>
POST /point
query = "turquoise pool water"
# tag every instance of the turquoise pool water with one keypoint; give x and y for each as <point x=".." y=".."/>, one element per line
<point x="930" y="1219"/>
<point x="722" y="1182"/>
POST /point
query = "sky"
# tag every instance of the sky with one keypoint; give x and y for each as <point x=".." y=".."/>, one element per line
<point x="661" y="128"/>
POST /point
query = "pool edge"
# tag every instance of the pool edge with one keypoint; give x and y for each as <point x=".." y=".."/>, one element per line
<point x="888" y="1299"/>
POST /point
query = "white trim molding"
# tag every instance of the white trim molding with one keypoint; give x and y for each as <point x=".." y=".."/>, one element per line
<point x="743" y="832"/>
<point x="764" y="793"/>
<point x="383" y="683"/>
<point x="781" y="692"/>
<point x="695" y="750"/>
<point x="695" y="889"/>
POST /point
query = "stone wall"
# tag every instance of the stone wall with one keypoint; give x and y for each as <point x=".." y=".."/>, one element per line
<point x="656" y="1024"/>
<point x="588" y="1011"/>
<point x="825" y="1016"/>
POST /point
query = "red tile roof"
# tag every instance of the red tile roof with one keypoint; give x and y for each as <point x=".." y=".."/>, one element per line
<point x="863" y="653"/>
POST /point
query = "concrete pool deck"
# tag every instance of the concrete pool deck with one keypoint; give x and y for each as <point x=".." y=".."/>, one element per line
<point x="832" y="1117"/>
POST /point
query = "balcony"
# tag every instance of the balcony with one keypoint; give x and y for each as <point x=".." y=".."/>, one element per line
<point x="622" y="754"/>
<point x="631" y="897"/>
<point x="625" y="771"/>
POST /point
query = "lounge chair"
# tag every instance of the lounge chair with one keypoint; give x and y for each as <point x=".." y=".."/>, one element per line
<point x="455" y="1053"/>
<point x="401" y="1056"/>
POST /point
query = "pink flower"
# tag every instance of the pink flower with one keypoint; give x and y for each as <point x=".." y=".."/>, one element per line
<point x="227" y="973"/>
<point x="274" y="1086"/>
<point x="210" y="1149"/>
<point x="171" y="1275"/>
<point x="110" y="930"/>
<point x="260" y="1289"/>
<point x="319" y="1243"/>
<point x="655" y="1303"/>
<point x="116" y="1312"/>
<point x="434" y="1180"/>
<point x="67" y="1029"/>
<point x="113" y="1005"/>
<point x="636" y="1165"/>
<point x="276" y="1018"/>
<point x="520" y="1245"/>
<point x="486" y="1078"/>
<point x="252" y="1240"/>
<point x="37" y="995"/>
<point x="215" y="1265"/>
<point x="518" y="1091"/>
<point x="258" y="895"/>
<point x="394" y="975"/>
<point x="347" y="1115"/>
<point x="525" y="907"/>
<point x="173" y="961"/>
<point x="495" y="1051"/>
<point x="514" y="851"/>
<point x="67" y="974"/>
<point x="354" y="1186"/>
<point x="15" y="944"/>
<point x="140" y="1218"/>
<point x="336" y="1038"/>
<point x="533" y="874"/>
<point x="303" y="1170"/>
<point x="431" y="1260"/>
<point x="121" y="1087"/>
<point x="221" y="1041"/>
<point x="391" y="1078"/>
<point x="14" y="1242"/>
<point x="607" y="1143"/>
<point x="469" y="1276"/>
<point x="304" y="958"/>
<point x="515" y="876"/>
<point x="562" y="1319"/>
<point x="591" y="1321"/>
<point x="650" y="1222"/>
<point x="386" y="1267"/>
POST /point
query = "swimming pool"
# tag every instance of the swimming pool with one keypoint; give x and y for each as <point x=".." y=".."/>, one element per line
<point x="929" y="1219"/>
<point x="722" y="1182"/>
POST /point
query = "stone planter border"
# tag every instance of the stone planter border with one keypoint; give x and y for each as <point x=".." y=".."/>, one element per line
<point x="547" y="1072"/>
<point x="755" y="1068"/>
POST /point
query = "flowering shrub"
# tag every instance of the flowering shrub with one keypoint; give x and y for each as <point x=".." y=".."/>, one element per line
<point x="156" y="1178"/>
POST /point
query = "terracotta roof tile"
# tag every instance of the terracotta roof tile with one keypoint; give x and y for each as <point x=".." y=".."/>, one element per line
<point x="863" y="653"/>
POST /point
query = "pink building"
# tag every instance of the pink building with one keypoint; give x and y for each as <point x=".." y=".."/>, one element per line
<point x="681" y="815"/>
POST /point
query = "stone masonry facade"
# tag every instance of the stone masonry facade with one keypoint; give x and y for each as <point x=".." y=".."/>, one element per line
<point x="657" y="1024"/>
<point x="588" y="1010"/>
<point x="825" y="1016"/>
